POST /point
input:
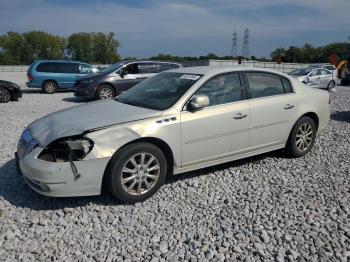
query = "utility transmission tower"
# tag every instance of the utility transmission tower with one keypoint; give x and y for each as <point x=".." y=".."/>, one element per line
<point x="234" y="45"/>
<point x="245" y="52"/>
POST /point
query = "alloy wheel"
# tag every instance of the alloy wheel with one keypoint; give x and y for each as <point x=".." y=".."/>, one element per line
<point x="140" y="173"/>
<point x="106" y="93"/>
<point x="331" y="85"/>
<point x="50" y="87"/>
<point x="304" y="137"/>
<point x="4" y="95"/>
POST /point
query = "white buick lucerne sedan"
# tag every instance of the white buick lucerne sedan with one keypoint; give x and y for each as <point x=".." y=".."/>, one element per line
<point x="180" y="120"/>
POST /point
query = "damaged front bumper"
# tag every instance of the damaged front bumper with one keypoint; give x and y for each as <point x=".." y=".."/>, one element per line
<point x="58" y="179"/>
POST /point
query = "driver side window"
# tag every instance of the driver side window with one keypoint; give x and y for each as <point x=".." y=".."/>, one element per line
<point x="132" y="69"/>
<point x="222" y="89"/>
<point x="315" y="72"/>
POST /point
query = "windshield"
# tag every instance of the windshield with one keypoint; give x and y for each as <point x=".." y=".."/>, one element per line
<point x="300" y="72"/>
<point x="113" y="67"/>
<point x="159" y="92"/>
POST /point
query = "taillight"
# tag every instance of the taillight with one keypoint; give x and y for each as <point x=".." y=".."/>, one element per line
<point x="30" y="77"/>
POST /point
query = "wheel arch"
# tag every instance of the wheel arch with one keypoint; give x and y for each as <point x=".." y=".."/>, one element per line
<point x="310" y="114"/>
<point x="161" y="144"/>
<point x="49" y="80"/>
<point x="313" y="116"/>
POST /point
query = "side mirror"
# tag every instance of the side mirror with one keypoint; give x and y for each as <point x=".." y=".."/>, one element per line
<point x="123" y="73"/>
<point x="197" y="103"/>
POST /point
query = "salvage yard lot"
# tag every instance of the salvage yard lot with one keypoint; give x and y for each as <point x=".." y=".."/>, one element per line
<point x="263" y="208"/>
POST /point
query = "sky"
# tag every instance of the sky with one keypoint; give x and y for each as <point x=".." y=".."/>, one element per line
<point x="186" y="28"/>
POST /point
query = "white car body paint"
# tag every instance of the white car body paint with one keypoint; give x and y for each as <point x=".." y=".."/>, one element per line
<point x="197" y="139"/>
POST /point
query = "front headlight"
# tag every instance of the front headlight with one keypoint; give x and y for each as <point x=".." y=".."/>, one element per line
<point x="26" y="144"/>
<point x="67" y="149"/>
<point x="87" y="81"/>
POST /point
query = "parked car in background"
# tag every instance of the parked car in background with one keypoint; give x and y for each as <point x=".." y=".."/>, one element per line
<point x="9" y="91"/>
<point x="51" y="75"/>
<point x="118" y="78"/>
<point x="317" y="78"/>
<point x="329" y="67"/>
<point x="177" y="121"/>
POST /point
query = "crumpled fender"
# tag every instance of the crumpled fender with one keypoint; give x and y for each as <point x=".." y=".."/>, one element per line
<point x="107" y="141"/>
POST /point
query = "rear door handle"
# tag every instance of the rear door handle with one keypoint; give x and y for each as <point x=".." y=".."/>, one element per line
<point x="239" y="116"/>
<point x="288" y="106"/>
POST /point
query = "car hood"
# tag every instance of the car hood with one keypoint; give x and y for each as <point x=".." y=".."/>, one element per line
<point x="92" y="76"/>
<point x="77" y="120"/>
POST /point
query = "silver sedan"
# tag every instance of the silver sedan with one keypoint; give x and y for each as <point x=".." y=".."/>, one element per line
<point x="316" y="77"/>
<point x="175" y="122"/>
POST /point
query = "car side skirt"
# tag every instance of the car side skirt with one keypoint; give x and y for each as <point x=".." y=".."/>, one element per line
<point x="228" y="158"/>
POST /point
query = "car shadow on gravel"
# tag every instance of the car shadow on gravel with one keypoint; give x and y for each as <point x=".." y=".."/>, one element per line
<point x="74" y="100"/>
<point x="14" y="189"/>
<point x="342" y="116"/>
<point x="233" y="164"/>
<point x="38" y="91"/>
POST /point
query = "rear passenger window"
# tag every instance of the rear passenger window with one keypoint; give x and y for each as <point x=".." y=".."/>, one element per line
<point x="222" y="89"/>
<point x="69" y="68"/>
<point x="148" y="68"/>
<point x="47" y="67"/>
<point x="287" y="85"/>
<point x="53" y="67"/>
<point x="264" y="84"/>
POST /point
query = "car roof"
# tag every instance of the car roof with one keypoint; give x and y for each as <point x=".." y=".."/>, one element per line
<point x="214" y="70"/>
<point x="59" y="61"/>
<point x="151" y="61"/>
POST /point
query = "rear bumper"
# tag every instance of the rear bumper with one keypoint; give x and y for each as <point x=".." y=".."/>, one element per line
<point x="33" y="85"/>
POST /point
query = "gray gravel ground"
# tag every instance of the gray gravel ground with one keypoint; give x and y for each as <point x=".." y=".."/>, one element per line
<point x="263" y="208"/>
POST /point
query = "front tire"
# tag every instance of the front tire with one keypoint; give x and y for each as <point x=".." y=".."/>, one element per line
<point x="49" y="87"/>
<point x="136" y="172"/>
<point x="5" y="95"/>
<point x="302" y="137"/>
<point x="105" y="92"/>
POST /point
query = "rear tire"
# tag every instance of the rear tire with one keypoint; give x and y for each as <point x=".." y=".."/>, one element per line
<point x="136" y="172"/>
<point x="49" y="87"/>
<point x="5" y="95"/>
<point x="302" y="137"/>
<point x="105" y="92"/>
<point x="331" y="85"/>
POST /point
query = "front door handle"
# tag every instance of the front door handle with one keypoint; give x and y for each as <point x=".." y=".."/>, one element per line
<point x="239" y="116"/>
<point x="288" y="106"/>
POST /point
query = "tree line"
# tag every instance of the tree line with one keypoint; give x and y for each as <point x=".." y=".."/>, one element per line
<point x="310" y="54"/>
<point x="101" y="48"/>
<point x="24" y="48"/>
